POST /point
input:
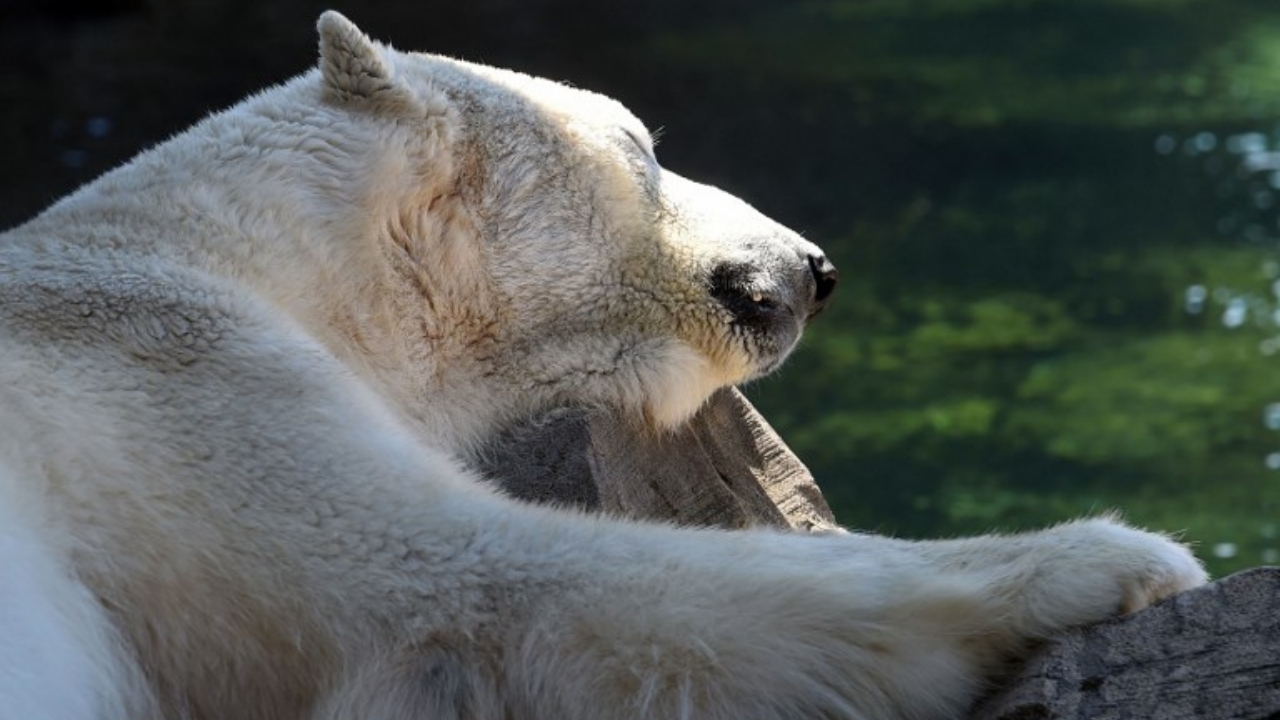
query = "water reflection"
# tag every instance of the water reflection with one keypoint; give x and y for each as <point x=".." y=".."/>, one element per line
<point x="1236" y="313"/>
<point x="1249" y="209"/>
<point x="1196" y="295"/>
<point x="1271" y="417"/>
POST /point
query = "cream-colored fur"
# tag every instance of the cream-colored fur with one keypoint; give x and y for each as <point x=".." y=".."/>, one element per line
<point x="241" y="376"/>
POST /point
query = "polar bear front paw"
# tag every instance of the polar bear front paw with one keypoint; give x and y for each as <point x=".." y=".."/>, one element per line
<point x="1163" y="566"/>
<point x="1093" y="569"/>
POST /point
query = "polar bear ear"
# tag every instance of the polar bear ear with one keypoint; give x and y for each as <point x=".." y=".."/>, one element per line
<point x="354" y="68"/>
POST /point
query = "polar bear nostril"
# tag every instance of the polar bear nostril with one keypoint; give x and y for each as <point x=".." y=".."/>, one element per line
<point x="825" y="277"/>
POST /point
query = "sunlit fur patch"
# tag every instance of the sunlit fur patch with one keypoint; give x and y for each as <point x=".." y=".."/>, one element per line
<point x="700" y="353"/>
<point x="685" y="379"/>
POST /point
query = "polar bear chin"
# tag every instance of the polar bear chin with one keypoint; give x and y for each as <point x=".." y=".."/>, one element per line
<point x="681" y="383"/>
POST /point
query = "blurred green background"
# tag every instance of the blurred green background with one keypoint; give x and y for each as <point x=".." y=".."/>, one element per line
<point x="1056" y="220"/>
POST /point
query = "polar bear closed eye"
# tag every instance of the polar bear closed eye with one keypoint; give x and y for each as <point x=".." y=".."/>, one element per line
<point x="241" y="375"/>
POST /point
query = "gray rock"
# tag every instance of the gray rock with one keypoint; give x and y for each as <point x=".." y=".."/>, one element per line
<point x="1213" y="652"/>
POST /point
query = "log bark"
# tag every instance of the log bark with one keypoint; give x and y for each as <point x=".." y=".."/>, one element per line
<point x="1213" y="652"/>
<point x="726" y="468"/>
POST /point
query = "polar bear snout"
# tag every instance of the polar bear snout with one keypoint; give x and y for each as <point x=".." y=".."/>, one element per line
<point x="761" y="295"/>
<point x="751" y="302"/>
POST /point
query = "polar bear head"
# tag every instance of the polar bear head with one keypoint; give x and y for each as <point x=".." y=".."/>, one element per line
<point x="542" y="254"/>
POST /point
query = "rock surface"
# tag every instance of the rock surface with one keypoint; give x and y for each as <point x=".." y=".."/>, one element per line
<point x="1213" y="652"/>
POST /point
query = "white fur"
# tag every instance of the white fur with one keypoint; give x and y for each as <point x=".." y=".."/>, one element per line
<point x="60" y="660"/>
<point x="240" y="375"/>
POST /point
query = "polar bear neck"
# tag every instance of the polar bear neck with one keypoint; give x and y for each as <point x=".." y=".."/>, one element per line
<point x="300" y="220"/>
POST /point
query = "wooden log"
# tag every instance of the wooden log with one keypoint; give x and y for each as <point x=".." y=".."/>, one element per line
<point x="726" y="468"/>
<point x="1211" y="653"/>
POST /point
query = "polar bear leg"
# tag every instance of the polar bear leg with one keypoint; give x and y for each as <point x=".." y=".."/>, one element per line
<point x="495" y="608"/>
<point x="762" y="626"/>
<point x="657" y="622"/>
<point x="61" y="660"/>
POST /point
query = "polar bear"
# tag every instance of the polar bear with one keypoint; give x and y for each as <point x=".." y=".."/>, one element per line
<point x="241" y="379"/>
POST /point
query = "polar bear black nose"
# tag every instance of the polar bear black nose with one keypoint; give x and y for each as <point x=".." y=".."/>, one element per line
<point x="825" y="277"/>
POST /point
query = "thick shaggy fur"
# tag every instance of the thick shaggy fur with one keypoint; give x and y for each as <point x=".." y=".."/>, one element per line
<point x="240" y="378"/>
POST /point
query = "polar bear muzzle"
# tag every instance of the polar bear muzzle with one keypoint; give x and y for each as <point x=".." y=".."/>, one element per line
<point x="732" y="284"/>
